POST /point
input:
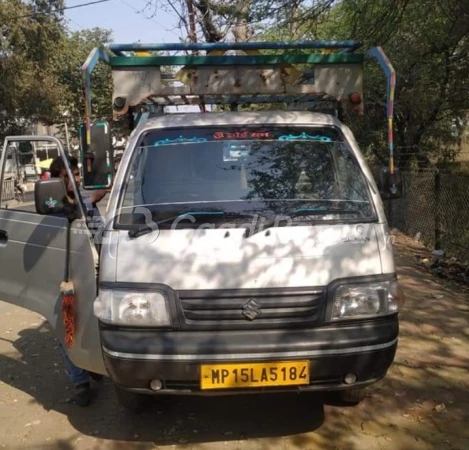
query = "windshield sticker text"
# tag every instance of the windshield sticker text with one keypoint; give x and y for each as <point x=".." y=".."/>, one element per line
<point x="241" y="135"/>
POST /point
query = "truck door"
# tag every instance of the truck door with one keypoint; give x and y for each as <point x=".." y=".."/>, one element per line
<point x="32" y="261"/>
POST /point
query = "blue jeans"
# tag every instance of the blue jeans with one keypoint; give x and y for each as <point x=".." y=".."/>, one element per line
<point x="77" y="375"/>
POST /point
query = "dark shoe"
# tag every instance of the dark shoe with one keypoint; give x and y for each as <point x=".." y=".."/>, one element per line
<point x="96" y="376"/>
<point x="83" y="394"/>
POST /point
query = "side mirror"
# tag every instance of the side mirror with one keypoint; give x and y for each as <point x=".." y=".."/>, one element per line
<point x="50" y="197"/>
<point x="98" y="159"/>
<point x="390" y="184"/>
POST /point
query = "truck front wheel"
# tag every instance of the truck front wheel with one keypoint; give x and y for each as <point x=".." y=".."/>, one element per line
<point x="352" y="396"/>
<point x="132" y="400"/>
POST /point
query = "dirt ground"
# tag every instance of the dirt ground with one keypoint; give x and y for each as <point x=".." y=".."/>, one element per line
<point x="423" y="403"/>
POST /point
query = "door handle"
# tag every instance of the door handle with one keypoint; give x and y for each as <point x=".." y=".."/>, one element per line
<point x="3" y="237"/>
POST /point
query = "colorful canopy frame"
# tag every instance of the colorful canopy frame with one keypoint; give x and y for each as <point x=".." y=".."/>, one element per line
<point x="98" y="54"/>
<point x="308" y="75"/>
<point x="388" y="69"/>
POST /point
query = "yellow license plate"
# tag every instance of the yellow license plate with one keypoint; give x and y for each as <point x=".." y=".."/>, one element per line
<point x="226" y="376"/>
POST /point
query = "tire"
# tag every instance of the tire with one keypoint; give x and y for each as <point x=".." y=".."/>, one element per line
<point x="131" y="400"/>
<point x="353" y="396"/>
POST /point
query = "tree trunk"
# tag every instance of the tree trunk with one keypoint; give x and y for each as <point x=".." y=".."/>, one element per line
<point x="293" y="19"/>
<point x="241" y="30"/>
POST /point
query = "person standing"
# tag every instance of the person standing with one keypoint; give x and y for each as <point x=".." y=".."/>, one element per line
<point x="80" y="377"/>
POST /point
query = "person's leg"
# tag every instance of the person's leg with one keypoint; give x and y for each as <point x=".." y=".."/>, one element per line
<point x="80" y="379"/>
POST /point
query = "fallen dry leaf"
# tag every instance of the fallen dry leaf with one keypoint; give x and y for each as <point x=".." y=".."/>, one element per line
<point x="440" y="408"/>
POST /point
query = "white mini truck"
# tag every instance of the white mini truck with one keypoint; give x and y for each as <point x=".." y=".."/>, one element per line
<point x="240" y="251"/>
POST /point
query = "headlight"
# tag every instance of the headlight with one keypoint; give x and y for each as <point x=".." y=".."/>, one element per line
<point x="140" y="309"/>
<point x="363" y="301"/>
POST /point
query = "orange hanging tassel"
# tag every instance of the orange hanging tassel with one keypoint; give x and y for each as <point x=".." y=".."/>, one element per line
<point x="68" y="311"/>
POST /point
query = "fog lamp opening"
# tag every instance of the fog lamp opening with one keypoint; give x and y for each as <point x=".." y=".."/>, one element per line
<point x="156" y="385"/>
<point x="350" y="378"/>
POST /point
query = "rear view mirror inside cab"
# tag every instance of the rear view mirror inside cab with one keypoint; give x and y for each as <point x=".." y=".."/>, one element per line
<point x="50" y="196"/>
<point x="390" y="184"/>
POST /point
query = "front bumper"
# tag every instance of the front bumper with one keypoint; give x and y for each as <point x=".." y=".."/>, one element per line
<point x="135" y="357"/>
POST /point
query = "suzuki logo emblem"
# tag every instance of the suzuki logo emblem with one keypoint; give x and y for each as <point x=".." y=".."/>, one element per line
<point x="251" y="310"/>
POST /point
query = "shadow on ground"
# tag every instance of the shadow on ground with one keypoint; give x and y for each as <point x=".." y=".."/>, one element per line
<point x="421" y="404"/>
<point x="39" y="372"/>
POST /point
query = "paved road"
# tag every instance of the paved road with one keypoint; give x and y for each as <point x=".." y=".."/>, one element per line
<point x="423" y="403"/>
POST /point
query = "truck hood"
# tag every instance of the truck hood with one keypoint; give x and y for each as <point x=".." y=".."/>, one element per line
<point x="225" y="259"/>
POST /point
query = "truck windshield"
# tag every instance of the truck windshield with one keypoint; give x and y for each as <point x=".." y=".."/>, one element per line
<point x="246" y="171"/>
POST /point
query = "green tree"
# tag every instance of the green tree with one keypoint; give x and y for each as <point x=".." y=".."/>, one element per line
<point x="221" y="20"/>
<point x="32" y="37"/>
<point x="76" y="50"/>
<point x="427" y="43"/>
<point x="40" y="69"/>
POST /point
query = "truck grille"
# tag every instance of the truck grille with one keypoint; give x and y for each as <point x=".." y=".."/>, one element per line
<point x="251" y="309"/>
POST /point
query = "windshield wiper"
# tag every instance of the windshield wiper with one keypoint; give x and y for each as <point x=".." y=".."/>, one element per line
<point x="322" y="211"/>
<point x="146" y="229"/>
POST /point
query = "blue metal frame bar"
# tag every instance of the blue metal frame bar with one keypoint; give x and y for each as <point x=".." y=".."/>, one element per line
<point x="119" y="48"/>
<point x="101" y="54"/>
<point x="390" y="73"/>
<point x="98" y="54"/>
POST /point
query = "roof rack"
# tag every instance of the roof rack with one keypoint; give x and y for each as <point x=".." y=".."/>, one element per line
<point x="147" y="77"/>
<point x="141" y="77"/>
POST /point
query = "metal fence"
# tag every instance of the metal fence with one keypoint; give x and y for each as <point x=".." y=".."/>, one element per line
<point x="435" y="206"/>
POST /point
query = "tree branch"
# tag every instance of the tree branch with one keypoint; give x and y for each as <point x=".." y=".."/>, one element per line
<point x="210" y="30"/>
<point x="433" y="116"/>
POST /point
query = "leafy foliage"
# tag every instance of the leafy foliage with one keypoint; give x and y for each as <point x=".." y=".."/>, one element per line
<point x="40" y="61"/>
<point x="219" y="20"/>
<point x="32" y="38"/>
<point x="77" y="48"/>
<point x="428" y="44"/>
